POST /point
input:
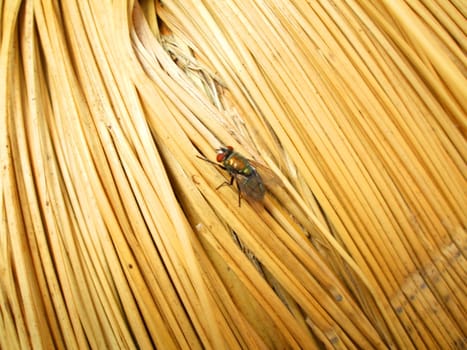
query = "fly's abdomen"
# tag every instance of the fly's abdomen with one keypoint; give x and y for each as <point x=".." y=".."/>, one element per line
<point x="252" y="186"/>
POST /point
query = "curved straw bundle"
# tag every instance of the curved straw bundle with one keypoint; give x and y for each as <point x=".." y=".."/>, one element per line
<point x="112" y="234"/>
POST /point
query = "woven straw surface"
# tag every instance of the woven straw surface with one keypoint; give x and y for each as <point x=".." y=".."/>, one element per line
<point x="113" y="234"/>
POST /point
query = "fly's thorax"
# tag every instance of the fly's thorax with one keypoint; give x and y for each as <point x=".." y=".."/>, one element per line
<point x="238" y="164"/>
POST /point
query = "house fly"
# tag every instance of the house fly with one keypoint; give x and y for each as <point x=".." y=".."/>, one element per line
<point x="241" y="170"/>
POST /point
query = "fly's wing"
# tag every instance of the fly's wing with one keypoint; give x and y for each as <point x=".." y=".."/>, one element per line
<point x="252" y="186"/>
<point x="267" y="175"/>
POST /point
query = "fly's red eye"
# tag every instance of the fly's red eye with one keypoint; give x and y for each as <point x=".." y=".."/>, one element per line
<point x="220" y="157"/>
<point x="230" y="148"/>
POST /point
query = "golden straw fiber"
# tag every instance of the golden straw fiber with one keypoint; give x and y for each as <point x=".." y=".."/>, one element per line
<point x="118" y="229"/>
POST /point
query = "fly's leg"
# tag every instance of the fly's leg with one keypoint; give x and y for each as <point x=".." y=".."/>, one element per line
<point x="232" y="178"/>
<point x="239" y="194"/>
<point x="210" y="161"/>
<point x="230" y="183"/>
<point x="226" y="183"/>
